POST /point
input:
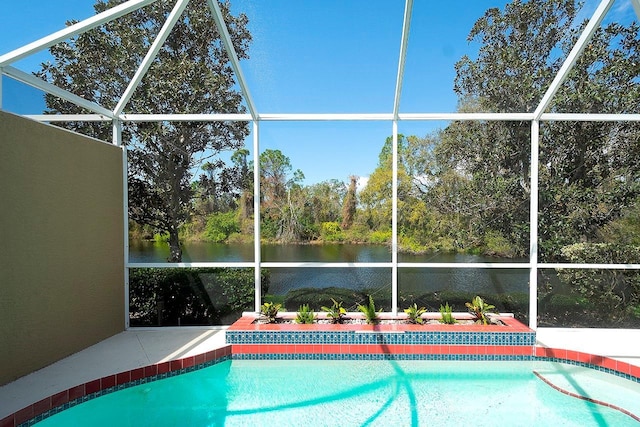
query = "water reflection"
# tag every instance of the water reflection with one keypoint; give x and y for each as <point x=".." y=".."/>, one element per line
<point x="410" y="279"/>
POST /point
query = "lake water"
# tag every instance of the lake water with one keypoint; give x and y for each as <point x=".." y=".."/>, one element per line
<point x="410" y="280"/>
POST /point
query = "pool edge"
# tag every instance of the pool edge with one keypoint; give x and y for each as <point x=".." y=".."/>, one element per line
<point x="33" y="413"/>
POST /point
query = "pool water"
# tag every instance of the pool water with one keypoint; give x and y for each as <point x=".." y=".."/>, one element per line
<point x="361" y="393"/>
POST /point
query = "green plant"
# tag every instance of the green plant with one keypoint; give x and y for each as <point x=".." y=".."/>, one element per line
<point x="221" y="225"/>
<point x="305" y="315"/>
<point x="414" y="314"/>
<point x="336" y="312"/>
<point x="369" y="311"/>
<point x="331" y="232"/>
<point x="479" y="309"/>
<point x="446" y="315"/>
<point x="270" y="311"/>
<point x="380" y="237"/>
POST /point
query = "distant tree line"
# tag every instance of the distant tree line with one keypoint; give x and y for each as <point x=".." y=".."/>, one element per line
<point x="465" y="187"/>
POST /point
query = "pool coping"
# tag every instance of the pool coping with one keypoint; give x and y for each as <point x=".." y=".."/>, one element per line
<point x="512" y="338"/>
<point x="511" y="324"/>
<point x="80" y="393"/>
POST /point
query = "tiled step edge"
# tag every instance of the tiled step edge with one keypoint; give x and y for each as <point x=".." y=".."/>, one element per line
<point x="588" y="399"/>
<point x="110" y="383"/>
<point x="600" y="363"/>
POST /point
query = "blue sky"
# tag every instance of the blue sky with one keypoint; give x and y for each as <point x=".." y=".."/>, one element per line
<point x="314" y="56"/>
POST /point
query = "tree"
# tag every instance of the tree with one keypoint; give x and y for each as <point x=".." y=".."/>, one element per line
<point x="244" y="183"/>
<point x="587" y="174"/>
<point x="324" y="201"/>
<point x="376" y="197"/>
<point x="349" y="206"/>
<point x="282" y="199"/>
<point x="191" y="74"/>
<point x="516" y="62"/>
<point x="590" y="171"/>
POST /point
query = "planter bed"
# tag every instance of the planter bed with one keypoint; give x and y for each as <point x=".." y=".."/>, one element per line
<point x="393" y="336"/>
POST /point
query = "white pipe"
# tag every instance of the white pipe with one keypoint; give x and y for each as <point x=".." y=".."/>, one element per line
<point x="256" y="216"/>
<point x="185" y="117"/>
<point x="568" y="64"/>
<point x="73" y="30"/>
<point x="394" y="223"/>
<point x="233" y="56"/>
<point x="117" y="140"/>
<point x="533" y="226"/>
<point x="56" y="118"/>
<point x="324" y="117"/>
<point x="38" y="83"/>
<point x="406" y="25"/>
<point x="173" y="17"/>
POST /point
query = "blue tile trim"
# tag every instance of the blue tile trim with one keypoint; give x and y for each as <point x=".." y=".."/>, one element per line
<point x="405" y="338"/>
<point x="347" y="356"/>
<point x="145" y="380"/>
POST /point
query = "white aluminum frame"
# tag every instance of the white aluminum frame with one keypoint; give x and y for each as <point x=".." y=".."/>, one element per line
<point x="118" y="117"/>
<point x="151" y="54"/>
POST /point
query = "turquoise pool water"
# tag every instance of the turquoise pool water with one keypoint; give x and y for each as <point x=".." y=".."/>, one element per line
<point x="365" y="393"/>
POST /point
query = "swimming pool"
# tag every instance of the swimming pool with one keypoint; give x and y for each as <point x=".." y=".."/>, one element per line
<point x="368" y="393"/>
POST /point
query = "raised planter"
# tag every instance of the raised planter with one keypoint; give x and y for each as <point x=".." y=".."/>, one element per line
<point x="396" y="340"/>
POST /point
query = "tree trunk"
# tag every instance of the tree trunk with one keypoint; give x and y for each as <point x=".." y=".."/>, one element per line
<point x="175" y="251"/>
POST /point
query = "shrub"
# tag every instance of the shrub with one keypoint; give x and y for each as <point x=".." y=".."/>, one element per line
<point x="380" y="237"/>
<point x="446" y="315"/>
<point x="161" y="237"/>
<point x="336" y="312"/>
<point x="221" y="225"/>
<point x="270" y="311"/>
<point x="193" y="296"/>
<point x="479" y="309"/>
<point x="414" y="314"/>
<point x="305" y="315"/>
<point x="331" y="232"/>
<point x="608" y="295"/>
<point x="496" y="244"/>
<point x="369" y="311"/>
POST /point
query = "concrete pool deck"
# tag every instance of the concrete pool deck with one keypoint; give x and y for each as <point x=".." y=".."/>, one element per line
<point x="141" y="347"/>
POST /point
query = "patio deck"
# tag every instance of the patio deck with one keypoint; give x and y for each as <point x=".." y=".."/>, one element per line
<point x="136" y="348"/>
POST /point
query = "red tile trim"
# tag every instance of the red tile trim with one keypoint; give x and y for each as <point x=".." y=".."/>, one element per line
<point x="81" y="390"/>
<point x="76" y="392"/>
<point x="46" y="404"/>
<point x="92" y="387"/>
<point x="108" y="381"/>
<point x="163" y="367"/>
<point x="137" y="374"/>
<point x="8" y="421"/>
<point x="150" y="370"/>
<point x="176" y="365"/>
<point x="24" y="415"/>
<point x="123" y="377"/>
<point x="60" y="398"/>
<point x="42" y="406"/>
<point x="199" y="359"/>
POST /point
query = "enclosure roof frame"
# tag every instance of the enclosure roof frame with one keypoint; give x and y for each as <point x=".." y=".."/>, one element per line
<point x="118" y="116"/>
